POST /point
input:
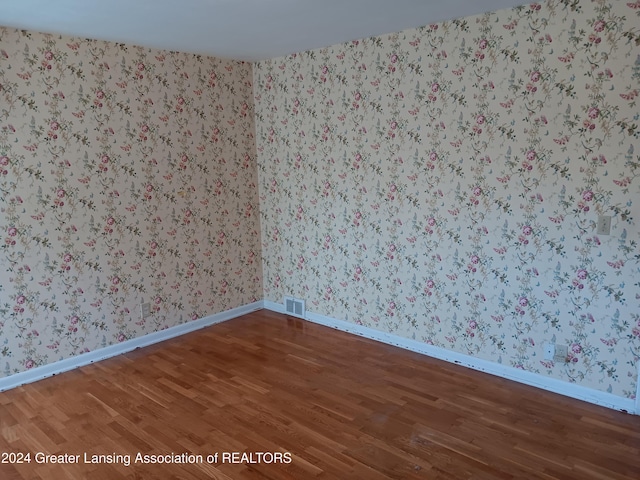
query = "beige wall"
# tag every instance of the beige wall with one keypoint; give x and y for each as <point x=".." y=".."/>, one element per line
<point x="443" y="184"/>
<point x="126" y="175"/>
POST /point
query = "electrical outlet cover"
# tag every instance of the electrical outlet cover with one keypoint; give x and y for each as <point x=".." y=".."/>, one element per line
<point x="604" y="225"/>
<point x="562" y="352"/>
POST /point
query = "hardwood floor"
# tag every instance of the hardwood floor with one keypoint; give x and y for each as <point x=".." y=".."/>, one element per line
<point x="341" y="406"/>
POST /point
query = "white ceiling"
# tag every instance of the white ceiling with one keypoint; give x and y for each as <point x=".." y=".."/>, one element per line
<point x="240" y="29"/>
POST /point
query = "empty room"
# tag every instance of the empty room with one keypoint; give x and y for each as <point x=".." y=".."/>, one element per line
<point x="352" y="239"/>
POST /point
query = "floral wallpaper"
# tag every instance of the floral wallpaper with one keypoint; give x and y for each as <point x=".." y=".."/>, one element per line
<point x="444" y="184"/>
<point x="126" y="175"/>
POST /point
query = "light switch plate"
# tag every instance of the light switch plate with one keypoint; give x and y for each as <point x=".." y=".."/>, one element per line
<point x="549" y="351"/>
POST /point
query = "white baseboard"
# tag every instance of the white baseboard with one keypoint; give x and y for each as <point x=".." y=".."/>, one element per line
<point x="534" y="379"/>
<point x="67" y="364"/>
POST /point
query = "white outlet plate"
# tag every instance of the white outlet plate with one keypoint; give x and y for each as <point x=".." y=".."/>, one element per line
<point x="561" y="354"/>
<point x="604" y="225"/>
<point x="145" y="310"/>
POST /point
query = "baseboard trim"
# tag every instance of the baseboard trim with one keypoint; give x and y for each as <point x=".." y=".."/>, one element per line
<point x="534" y="379"/>
<point x="67" y="364"/>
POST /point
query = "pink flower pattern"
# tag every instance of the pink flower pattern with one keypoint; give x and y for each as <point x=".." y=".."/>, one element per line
<point x="440" y="183"/>
<point x="468" y="162"/>
<point x="107" y="193"/>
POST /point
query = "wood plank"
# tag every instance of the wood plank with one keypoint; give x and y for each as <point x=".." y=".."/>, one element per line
<point x="342" y="406"/>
